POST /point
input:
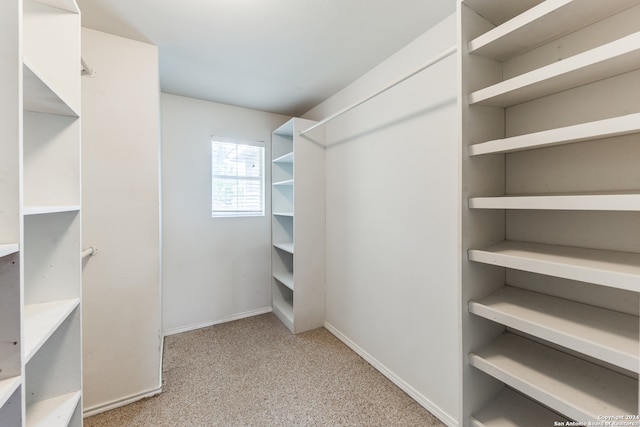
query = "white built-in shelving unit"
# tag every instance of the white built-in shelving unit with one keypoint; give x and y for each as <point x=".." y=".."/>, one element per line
<point x="297" y="205"/>
<point x="40" y="265"/>
<point x="550" y="132"/>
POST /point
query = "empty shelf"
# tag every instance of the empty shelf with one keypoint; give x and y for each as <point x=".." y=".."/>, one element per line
<point x="574" y="387"/>
<point x="68" y="5"/>
<point x="40" y="97"/>
<point x="9" y="249"/>
<point x="283" y="213"/>
<point x="609" y="268"/>
<point x="511" y="409"/>
<point x="591" y="202"/>
<point x="609" y="60"/>
<point x="42" y="320"/>
<point x="543" y="23"/>
<point x="285" y="182"/>
<point x="285" y="130"/>
<point x="41" y="210"/>
<point x="284" y="278"/>
<point x="287" y="247"/>
<point x="287" y="158"/>
<point x="54" y="412"/>
<point x="7" y="387"/>
<point x="606" y="128"/>
<point x="603" y="334"/>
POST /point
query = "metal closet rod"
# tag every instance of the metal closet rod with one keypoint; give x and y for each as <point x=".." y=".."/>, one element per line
<point x="90" y="251"/>
<point x="428" y="64"/>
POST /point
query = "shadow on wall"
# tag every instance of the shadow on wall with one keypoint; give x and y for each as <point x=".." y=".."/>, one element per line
<point x="429" y="109"/>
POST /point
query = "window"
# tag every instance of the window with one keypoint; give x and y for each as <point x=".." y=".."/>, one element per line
<point x="237" y="178"/>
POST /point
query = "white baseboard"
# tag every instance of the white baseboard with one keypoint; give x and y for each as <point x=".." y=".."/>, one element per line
<point x="404" y="386"/>
<point x="103" y="407"/>
<point x="239" y="316"/>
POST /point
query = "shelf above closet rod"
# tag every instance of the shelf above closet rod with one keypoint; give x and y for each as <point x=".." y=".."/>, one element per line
<point x="432" y="61"/>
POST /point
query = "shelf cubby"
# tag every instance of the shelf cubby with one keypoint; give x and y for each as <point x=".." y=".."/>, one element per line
<point x="282" y="302"/>
<point x="51" y="160"/>
<point x="8" y="386"/>
<point x="611" y="59"/>
<point x="607" y="268"/>
<point x="11" y="408"/>
<point x="574" y="387"/>
<point x="51" y="44"/>
<point x="603" y="334"/>
<point x="511" y="409"/>
<point x="10" y="324"/>
<point x="284" y="278"/>
<point x="52" y="246"/>
<point x="41" y="97"/>
<point x="42" y="320"/>
<point x="52" y="378"/>
<point x="54" y="412"/>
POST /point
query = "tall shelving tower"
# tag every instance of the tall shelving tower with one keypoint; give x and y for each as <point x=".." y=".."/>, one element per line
<point x="40" y="252"/>
<point x="298" y="223"/>
<point x="550" y="127"/>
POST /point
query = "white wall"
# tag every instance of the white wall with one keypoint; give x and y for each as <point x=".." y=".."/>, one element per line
<point x="120" y="142"/>
<point x="214" y="269"/>
<point x="392" y="222"/>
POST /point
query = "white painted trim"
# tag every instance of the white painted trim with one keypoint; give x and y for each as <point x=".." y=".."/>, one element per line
<point x="103" y="407"/>
<point x="217" y="321"/>
<point x="403" y="385"/>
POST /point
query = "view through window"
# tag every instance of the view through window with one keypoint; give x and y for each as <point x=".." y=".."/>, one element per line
<point x="237" y="178"/>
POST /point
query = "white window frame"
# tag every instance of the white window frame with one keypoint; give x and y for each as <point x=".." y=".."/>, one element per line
<point x="227" y="213"/>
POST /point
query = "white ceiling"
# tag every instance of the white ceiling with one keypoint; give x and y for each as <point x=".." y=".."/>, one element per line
<point x="281" y="56"/>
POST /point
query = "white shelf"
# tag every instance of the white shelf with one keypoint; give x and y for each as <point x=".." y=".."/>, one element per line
<point x="40" y="96"/>
<point x="42" y="320"/>
<point x="285" y="182"/>
<point x="8" y="249"/>
<point x="284" y="278"/>
<point x="611" y="59"/>
<point x="54" y="412"/>
<point x="287" y="158"/>
<point x="7" y="387"/>
<point x="68" y="5"/>
<point x="608" y="268"/>
<point x="283" y="214"/>
<point x="42" y="210"/>
<point x="603" y="334"/>
<point x="590" y="202"/>
<point x="287" y="247"/>
<point x="606" y="128"/>
<point x="542" y="23"/>
<point x="578" y="389"/>
<point x="511" y="409"/>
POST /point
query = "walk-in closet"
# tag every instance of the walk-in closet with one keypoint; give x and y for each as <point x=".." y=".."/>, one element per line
<point x="334" y="213"/>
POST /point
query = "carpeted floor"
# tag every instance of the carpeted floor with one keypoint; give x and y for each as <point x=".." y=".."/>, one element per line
<point x="253" y="372"/>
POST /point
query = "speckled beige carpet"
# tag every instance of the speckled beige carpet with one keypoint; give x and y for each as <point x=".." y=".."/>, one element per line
<point x="253" y="372"/>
